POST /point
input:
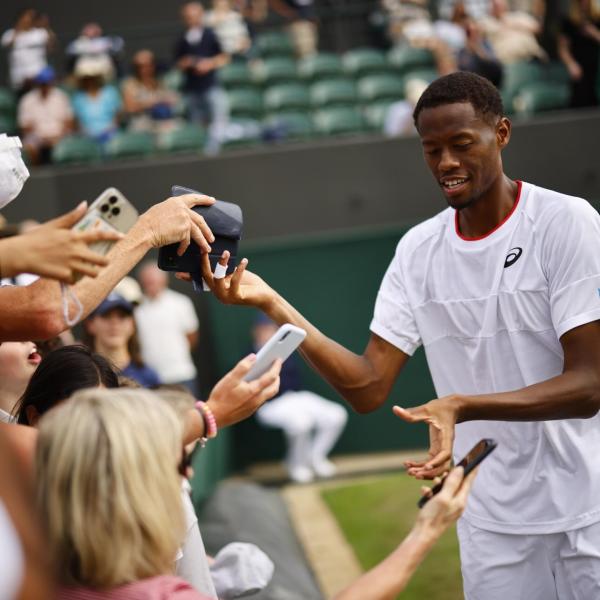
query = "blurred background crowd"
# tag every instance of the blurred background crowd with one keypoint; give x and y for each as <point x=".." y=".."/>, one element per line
<point x="247" y="72"/>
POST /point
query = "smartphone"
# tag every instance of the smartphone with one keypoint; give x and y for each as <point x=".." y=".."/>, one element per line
<point x="225" y="220"/>
<point x="283" y="342"/>
<point x="110" y="211"/>
<point x="477" y="454"/>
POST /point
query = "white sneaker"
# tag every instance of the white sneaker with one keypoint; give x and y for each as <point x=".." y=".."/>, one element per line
<point x="324" y="468"/>
<point x="300" y="474"/>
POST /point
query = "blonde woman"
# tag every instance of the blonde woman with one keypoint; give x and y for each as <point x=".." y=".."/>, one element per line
<point x="109" y="492"/>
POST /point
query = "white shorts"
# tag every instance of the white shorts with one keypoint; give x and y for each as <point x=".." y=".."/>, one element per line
<point x="554" y="566"/>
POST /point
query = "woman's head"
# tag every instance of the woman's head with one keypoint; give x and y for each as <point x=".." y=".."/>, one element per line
<point x="58" y="376"/>
<point x="18" y="362"/>
<point x="108" y="488"/>
<point x="144" y="65"/>
<point x="111" y="328"/>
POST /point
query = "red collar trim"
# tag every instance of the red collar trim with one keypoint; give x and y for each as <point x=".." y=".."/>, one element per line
<point x="508" y="216"/>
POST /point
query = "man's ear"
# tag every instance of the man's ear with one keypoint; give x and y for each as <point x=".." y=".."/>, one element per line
<point x="503" y="129"/>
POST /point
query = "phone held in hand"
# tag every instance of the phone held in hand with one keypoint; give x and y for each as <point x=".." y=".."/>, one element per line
<point x="110" y="211"/>
<point x="476" y="455"/>
<point x="283" y="342"/>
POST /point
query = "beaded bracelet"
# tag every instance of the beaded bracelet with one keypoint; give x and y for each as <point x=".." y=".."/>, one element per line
<point x="210" y="423"/>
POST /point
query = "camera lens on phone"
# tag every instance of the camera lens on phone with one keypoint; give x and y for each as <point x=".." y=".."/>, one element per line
<point x="104" y="208"/>
<point x="116" y="210"/>
<point x="113" y="199"/>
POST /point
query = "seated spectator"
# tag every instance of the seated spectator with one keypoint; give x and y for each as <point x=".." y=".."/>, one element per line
<point x="92" y="42"/>
<point x="476" y="9"/>
<point x="28" y="43"/>
<point x="199" y="55"/>
<point x="109" y="460"/>
<point x="578" y="44"/>
<point x="255" y="13"/>
<point x="44" y="117"/>
<point x="512" y="34"/>
<point x="148" y="104"/>
<point x="311" y="424"/>
<point x="18" y="362"/>
<point x="96" y="104"/>
<point x="111" y="331"/>
<point x="230" y="27"/>
<point x="406" y="20"/>
<point x="302" y="19"/>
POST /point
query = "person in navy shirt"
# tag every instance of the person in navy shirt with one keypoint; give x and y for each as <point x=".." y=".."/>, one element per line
<point x="110" y="331"/>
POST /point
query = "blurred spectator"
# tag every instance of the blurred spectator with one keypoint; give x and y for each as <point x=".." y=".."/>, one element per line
<point x="44" y="117"/>
<point x="230" y="27"/>
<point x="110" y="331"/>
<point x="168" y="329"/>
<point x="96" y="104"/>
<point x="28" y="43"/>
<point x="399" y="117"/>
<point x="303" y="28"/>
<point x="92" y="42"/>
<point x="18" y="362"/>
<point x="199" y="55"/>
<point x="406" y="19"/>
<point x="476" y="9"/>
<point x="146" y="101"/>
<point x="578" y="44"/>
<point x="311" y="424"/>
<point x="512" y="34"/>
<point x="255" y="13"/>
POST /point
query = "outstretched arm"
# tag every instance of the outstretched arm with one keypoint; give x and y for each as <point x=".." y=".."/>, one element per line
<point x="364" y="380"/>
<point x="574" y="394"/>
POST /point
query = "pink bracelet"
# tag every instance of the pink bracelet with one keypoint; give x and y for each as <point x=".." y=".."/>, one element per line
<point x="210" y="423"/>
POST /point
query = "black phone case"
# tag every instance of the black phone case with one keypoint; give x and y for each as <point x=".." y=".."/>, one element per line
<point x="225" y="221"/>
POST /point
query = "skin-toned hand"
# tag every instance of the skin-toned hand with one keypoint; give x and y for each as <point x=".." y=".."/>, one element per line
<point x="441" y="416"/>
<point x="54" y="251"/>
<point x="446" y="506"/>
<point x="575" y="71"/>
<point x="240" y="287"/>
<point x="232" y="400"/>
<point x="174" y="221"/>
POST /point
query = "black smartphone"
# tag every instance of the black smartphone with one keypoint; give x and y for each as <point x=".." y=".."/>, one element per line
<point x="225" y="220"/>
<point x="478" y="452"/>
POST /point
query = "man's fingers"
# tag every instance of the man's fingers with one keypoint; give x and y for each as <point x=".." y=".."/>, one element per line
<point x="439" y="460"/>
<point x="206" y="269"/>
<point x="196" y="200"/>
<point x="85" y="268"/>
<point x="94" y="258"/>
<point x="198" y="236"/>
<point x="183" y="245"/>
<point x="97" y="235"/>
<point x="183" y="276"/>
<point x="411" y="415"/>
<point x="453" y="481"/>
<point x="224" y="260"/>
<point x="236" y="278"/>
<point x="201" y="223"/>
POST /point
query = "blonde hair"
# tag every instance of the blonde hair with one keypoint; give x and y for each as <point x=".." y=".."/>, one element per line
<point x="108" y="487"/>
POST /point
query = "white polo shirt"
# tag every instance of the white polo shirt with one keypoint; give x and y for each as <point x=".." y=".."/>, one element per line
<point x="489" y="313"/>
<point x="163" y="325"/>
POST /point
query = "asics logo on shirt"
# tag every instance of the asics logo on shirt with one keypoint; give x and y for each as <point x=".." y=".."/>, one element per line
<point x="513" y="256"/>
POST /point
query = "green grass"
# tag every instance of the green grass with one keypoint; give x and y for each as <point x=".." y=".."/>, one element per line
<point x="376" y="515"/>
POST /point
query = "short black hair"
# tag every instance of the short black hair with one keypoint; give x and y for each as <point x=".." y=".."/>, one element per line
<point x="60" y="374"/>
<point x="462" y="86"/>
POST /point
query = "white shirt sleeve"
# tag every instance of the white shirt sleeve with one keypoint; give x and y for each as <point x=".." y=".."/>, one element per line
<point x="189" y="319"/>
<point x="393" y="319"/>
<point x="571" y="261"/>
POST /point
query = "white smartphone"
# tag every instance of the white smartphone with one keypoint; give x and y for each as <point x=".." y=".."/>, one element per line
<point x="283" y="342"/>
<point x="110" y="211"/>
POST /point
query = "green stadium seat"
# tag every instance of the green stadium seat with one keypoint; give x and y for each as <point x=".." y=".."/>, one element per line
<point x="340" y="120"/>
<point x="406" y="58"/>
<point x="274" y="43"/>
<point x="516" y="75"/>
<point x="8" y="123"/>
<point x="173" y="79"/>
<point x="291" y="96"/>
<point x="540" y="96"/>
<point x="8" y="102"/>
<point x="333" y="93"/>
<point x="320" y="66"/>
<point x="363" y="61"/>
<point x="127" y="144"/>
<point x="236" y="74"/>
<point x="245" y="103"/>
<point x="426" y="75"/>
<point x="243" y="133"/>
<point x="186" y="138"/>
<point x="376" y="113"/>
<point x="75" y="149"/>
<point x="298" y="125"/>
<point x="380" y="87"/>
<point x="275" y="70"/>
